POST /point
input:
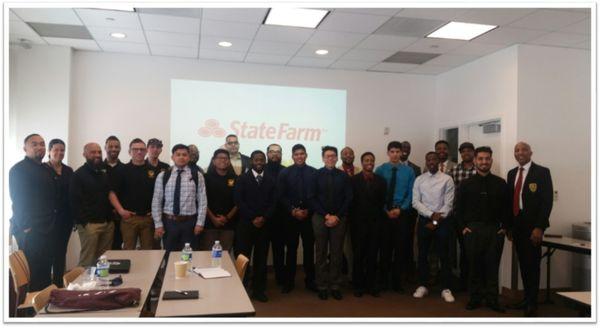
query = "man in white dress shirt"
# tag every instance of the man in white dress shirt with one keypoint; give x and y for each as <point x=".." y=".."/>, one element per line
<point x="433" y="195"/>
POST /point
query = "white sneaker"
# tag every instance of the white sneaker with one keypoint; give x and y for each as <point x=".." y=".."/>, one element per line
<point x="447" y="295"/>
<point x="420" y="292"/>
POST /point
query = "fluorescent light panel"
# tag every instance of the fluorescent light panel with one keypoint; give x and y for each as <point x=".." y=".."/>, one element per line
<point x="114" y="6"/>
<point x="295" y="17"/>
<point x="461" y="31"/>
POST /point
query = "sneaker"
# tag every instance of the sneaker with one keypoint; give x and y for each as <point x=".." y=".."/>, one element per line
<point x="447" y="295"/>
<point x="420" y="292"/>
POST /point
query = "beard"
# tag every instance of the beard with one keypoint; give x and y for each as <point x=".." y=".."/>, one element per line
<point x="92" y="162"/>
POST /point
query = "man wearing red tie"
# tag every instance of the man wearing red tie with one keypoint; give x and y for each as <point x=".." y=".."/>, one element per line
<point x="531" y="196"/>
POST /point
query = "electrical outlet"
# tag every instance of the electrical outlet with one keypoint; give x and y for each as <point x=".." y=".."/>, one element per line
<point x="386" y="131"/>
<point x="555" y="195"/>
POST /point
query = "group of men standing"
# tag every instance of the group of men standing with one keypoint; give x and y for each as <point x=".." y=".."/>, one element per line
<point x="248" y="202"/>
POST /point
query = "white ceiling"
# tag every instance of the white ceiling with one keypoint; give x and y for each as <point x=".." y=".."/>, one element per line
<point x="350" y="34"/>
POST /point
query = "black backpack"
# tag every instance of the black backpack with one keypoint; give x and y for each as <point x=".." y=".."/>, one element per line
<point x="195" y="171"/>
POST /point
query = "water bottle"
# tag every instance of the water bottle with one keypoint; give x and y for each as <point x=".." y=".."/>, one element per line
<point x="215" y="255"/>
<point x="186" y="255"/>
<point x="102" y="268"/>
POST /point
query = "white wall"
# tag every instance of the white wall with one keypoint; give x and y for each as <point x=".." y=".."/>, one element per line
<point x="129" y="96"/>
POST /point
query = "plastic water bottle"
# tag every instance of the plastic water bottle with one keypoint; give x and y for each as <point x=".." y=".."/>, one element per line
<point x="102" y="270"/>
<point x="186" y="255"/>
<point x="216" y="254"/>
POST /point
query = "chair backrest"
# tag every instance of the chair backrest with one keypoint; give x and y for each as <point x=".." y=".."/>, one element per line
<point x="42" y="298"/>
<point x="19" y="268"/>
<point x="240" y="265"/>
<point x="72" y="275"/>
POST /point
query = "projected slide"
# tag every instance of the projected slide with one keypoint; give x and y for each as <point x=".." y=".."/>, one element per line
<point x="204" y="113"/>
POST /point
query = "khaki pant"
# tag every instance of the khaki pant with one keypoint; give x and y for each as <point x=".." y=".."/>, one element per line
<point x="137" y="227"/>
<point x="96" y="238"/>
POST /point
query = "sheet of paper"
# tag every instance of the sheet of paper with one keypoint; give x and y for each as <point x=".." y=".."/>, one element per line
<point x="209" y="273"/>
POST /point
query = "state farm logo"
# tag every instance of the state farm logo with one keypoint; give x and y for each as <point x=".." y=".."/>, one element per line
<point x="245" y="130"/>
<point x="211" y="128"/>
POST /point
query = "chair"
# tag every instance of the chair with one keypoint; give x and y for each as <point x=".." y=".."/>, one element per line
<point x="19" y="268"/>
<point x="42" y="298"/>
<point x="72" y="275"/>
<point x="240" y="265"/>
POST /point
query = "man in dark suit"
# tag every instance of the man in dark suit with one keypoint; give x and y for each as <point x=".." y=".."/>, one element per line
<point x="255" y="198"/>
<point x="412" y="217"/>
<point x="531" y="194"/>
<point x="240" y="163"/>
<point x="275" y="226"/>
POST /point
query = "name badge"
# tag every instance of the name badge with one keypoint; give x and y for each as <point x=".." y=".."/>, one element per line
<point x="230" y="182"/>
<point x="533" y="187"/>
<point x="150" y="174"/>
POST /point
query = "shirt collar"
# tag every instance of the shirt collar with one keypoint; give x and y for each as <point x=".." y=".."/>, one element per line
<point x="236" y="156"/>
<point x="435" y="174"/>
<point x="185" y="168"/>
<point x="526" y="166"/>
<point x="256" y="174"/>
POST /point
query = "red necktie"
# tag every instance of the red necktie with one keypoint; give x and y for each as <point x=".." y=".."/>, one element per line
<point x="517" y="195"/>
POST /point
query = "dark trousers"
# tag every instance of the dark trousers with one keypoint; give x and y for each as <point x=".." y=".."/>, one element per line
<point x="463" y="259"/>
<point x="253" y="242"/>
<point x="529" y="257"/>
<point x="365" y="247"/>
<point x="294" y="229"/>
<point x="62" y="235"/>
<point x="328" y="273"/>
<point x="118" y="237"/>
<point x="39" y="251"/>
<point x="177" y="234"/>
<point x="440" y="237"/>
<point x="410" y="241"/>
<point x="277" y="239"/>
<point x="393" y="236"/>
<point x="484" y="250"/>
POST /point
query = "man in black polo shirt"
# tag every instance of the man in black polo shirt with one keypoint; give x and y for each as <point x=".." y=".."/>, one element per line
<point x="483" y="215"/>
<point x="112" y="147"/>
<point x="90" y="205"/>
<point x="33" y="193"/>
<point x="275" y="226"/>
<point x="221" y="210"/>
<point x="154" y="149"/>
<point x="131" y="194"/>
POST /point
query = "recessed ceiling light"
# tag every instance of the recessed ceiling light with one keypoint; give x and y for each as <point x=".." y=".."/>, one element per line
<point x="461" y="31"/>
<point x="322" y="52"/>
<point x="118" y="35"/>
<point x="225" y="44"/>
<point x="296" y="17"/>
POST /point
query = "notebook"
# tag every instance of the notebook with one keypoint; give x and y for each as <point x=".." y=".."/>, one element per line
<point x="180" y="295"/>
<point x="119" y="266"/>
<point x="210" y="273"/>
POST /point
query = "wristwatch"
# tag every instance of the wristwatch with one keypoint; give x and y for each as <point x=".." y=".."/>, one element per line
<point x="435" y="222"/>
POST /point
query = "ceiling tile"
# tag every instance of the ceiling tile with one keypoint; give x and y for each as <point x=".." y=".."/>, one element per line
<point x="353" y="64"/>
<point x="477" y="49"/>
<point x="180" y="12"/>
<point x="170" y="23"/>
<point x="549" y="19"/>
<point x="222" y="55"/>
<point x="404" y="57"/>
<point x="61" y="31"/>
<point x="275" y="48"/>
<point x="430" y="69"/>
<point x="267" y="59"/>
<point x="560" y="39"/>
<point x="369" y="11"/>
<point x="412" y="27"/>
<point x="310" y="62"/>
<point x="246" y="15"/>
<point x="583" y="45"/>
<point x="336" y="39"/>
<point x="103" y="34"/>
<point x="172" y="39"/>
<point x="392" y="67"/>
<point x="494" y="16"/>
<point x="124" y="47"/>
<point x="211" y="43"/>
<point x="386" y="42"/>
<point x="308" y="50"/>
<point x="79" y="44"/>
<point x="367" y="55"/>
<point x="171" y="51"/>
<point x="228" y="29"/>
<point x="12" y="16"/>
<point x="48" y="15"/>
<point x="346" y="22"/>
<point x="33" y="39"/>
<point x="109" y="18"/>
<point x="284" y="34"/>
<point x="507" y="35"/>
<point x="445" y="14"/>
<point x="20" y="28"/>
<point x="451" y="60"/>
<point x="583" y="27"/>
<point x="434" y="45"/>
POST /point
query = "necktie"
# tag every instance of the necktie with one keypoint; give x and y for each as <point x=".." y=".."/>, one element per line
<point x="392" y="189"/>
<point x="517" y="194"/>
<point x="177" y="194"/>
<point x="330" y="191"/>
<point x="259" y="179"/>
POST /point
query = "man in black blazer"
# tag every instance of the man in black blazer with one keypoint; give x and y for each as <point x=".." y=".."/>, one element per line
<point x="531" y="193"/>
<point x="240" y="163"/>
<point x="255" y="198"/>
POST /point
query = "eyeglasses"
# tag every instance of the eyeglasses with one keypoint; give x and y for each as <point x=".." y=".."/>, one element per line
<point x="233" y="143"/>
<point x="138" y="149"/>
<point x="274" y="151"/>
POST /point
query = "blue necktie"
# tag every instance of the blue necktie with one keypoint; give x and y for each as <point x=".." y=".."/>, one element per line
<point x="177" y="195"/>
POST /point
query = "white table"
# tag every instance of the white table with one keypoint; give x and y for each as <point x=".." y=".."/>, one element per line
<point x="217" y="297"/>
<point x="583" y="300"/>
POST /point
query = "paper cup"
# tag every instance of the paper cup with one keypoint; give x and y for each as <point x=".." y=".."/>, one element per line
<point x="180" y="269"/>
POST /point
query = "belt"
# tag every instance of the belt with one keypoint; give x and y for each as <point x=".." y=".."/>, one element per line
<point x="179" y="218"/>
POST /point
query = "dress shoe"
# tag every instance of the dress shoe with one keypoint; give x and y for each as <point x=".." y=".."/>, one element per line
<point x="322" y="294"/>
<point x="531" y="311"/>
<point x="312" y="287"/>
<point x="495" y="306"/>
<point x="261" y="297"/>
<point x="472" y="305"/>
<point x="336" y="294"/>
<point x="522" y="305"/>
<point x="358" y="293"/>
<point x="287" y="289"/>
